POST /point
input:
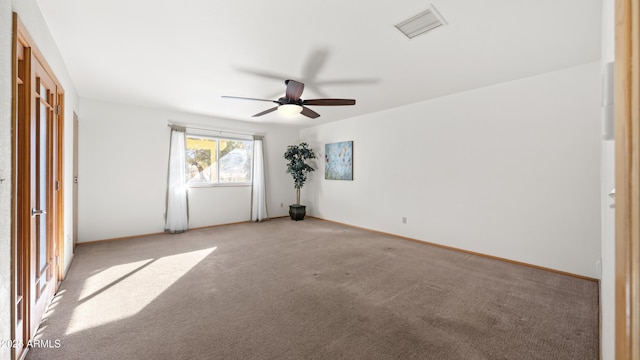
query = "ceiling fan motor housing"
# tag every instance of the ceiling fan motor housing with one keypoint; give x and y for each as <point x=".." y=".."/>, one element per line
<point x="284" y="100"/>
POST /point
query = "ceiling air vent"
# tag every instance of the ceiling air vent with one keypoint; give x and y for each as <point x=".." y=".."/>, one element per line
<point x="421" y="23"/>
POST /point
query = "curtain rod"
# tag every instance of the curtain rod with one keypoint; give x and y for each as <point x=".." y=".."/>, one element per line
<point x="210" y="129"/>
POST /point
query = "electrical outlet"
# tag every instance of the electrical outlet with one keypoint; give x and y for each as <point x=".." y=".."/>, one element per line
<point x="281" y="204"/>
<point x="404" y="219"/>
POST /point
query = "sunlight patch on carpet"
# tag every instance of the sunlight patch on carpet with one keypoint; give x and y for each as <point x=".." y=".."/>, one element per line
<point x="96" y="305"/>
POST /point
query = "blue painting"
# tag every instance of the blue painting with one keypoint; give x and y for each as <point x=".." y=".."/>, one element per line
<point x="338" y="161"/>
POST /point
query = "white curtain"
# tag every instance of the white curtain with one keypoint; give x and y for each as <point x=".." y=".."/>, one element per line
<point x="258" y="190"/>
<point x="177" y="217"/>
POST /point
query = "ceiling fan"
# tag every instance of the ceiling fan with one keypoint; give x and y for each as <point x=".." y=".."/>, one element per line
<point x="292" y="104"/>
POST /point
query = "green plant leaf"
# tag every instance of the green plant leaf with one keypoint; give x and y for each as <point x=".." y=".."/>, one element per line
<point x="297" y="166"/>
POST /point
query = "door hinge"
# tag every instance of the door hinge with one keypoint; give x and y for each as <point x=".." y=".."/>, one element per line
<point x="57" y="109"/>
<point x="57" y="185"/>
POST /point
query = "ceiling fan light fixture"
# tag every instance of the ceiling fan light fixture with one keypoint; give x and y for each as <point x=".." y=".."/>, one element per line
<point x="290" y="109"/>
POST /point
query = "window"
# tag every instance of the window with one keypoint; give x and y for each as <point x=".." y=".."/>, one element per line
<point x="218" y="161"/>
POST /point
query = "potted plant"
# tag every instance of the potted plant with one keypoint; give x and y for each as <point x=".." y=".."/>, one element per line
<point x="297" y="166"/>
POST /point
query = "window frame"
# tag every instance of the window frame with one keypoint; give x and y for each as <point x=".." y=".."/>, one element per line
<point x="218" y="138"/>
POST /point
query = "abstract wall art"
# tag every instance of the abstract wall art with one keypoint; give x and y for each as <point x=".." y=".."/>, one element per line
<point x="338" y="161"/>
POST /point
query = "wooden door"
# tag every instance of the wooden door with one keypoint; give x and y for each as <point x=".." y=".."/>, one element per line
<point x="37" y="215"/>
<point x="43" y="188"/>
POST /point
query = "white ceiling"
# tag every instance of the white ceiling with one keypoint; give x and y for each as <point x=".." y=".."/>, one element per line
<point x="184" y="55"/>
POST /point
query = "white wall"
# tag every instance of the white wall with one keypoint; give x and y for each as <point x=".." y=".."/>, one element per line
<point x="607" y="285"/>
<point x="5" y="173"/>
<point x="123" y="157"/>
<point x="510" y="170"/>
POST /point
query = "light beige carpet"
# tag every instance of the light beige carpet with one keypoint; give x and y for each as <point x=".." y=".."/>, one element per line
<point x="311" y="290"/>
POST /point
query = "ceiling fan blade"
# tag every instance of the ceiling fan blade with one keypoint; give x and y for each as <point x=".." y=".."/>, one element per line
<point x="314" y="64"/>
<point x="246" y="98"/>
<point x="266" y="111"/>
<point x="361" y="81"/>
<point x="329" y="102"/>
<point x="294" y="89"/>
<point x="309" y="113"/>
<point x="315" y="89"/>
<point x="264" y="74"/>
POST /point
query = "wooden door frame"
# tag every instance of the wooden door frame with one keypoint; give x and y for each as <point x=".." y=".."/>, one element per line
<point x="60" y="181"/>
<point x="627" y="139"/>
<point x="19" y="171"/>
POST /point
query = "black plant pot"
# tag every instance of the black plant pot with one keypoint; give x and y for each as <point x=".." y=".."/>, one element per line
<point x="297" y="212"/>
